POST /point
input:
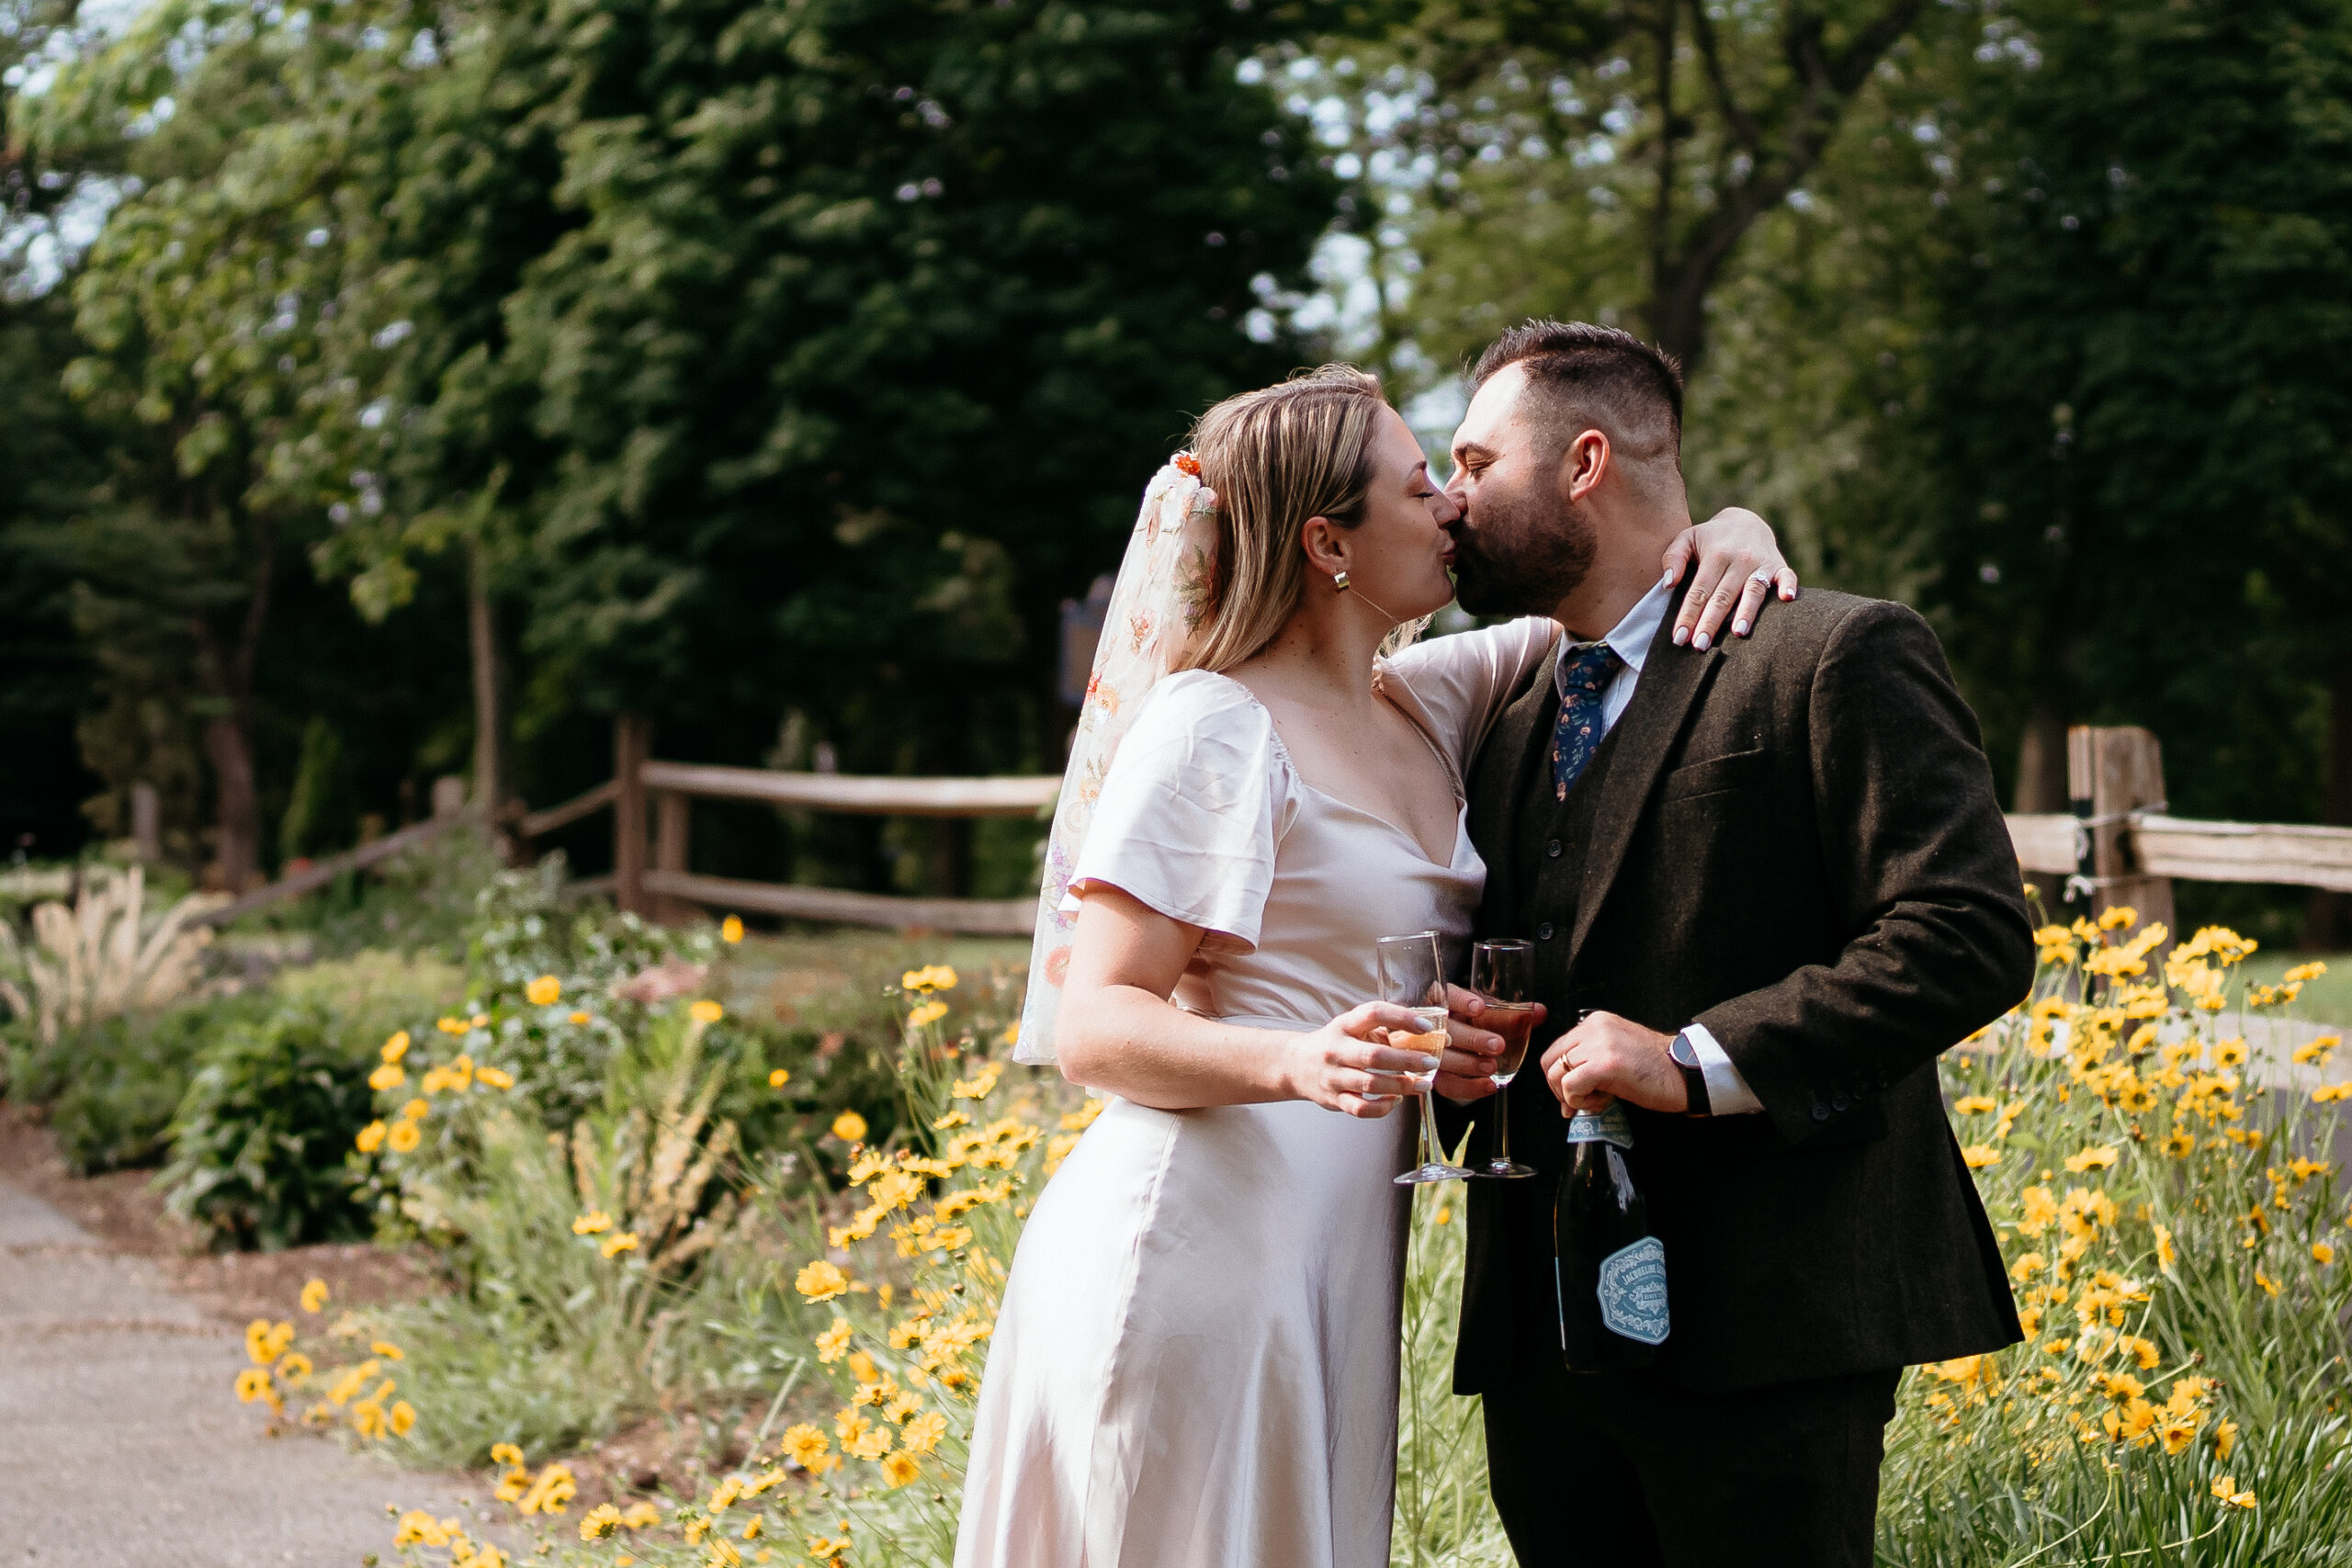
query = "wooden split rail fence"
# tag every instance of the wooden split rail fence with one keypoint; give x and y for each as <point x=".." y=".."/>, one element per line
<point x="2119" y="845"/>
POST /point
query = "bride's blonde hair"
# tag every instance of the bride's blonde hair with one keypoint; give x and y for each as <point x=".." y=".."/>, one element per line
<point x="1275" y="457"/>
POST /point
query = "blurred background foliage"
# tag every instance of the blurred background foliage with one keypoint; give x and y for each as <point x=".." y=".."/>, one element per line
<point x="398" y="388"/>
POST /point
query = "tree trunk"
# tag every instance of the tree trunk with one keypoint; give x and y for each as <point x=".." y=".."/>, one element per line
<point x="493" y="774"/>
<point x="2327" y="917"/>
<point x="238" y="848"/>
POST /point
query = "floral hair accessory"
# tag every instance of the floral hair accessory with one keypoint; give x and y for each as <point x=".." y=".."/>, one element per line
<point x="1187" y="464"/>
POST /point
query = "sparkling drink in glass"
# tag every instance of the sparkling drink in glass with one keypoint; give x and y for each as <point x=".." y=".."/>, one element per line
<point x="1501" y="972"/>
<point x="1413" y="977"/>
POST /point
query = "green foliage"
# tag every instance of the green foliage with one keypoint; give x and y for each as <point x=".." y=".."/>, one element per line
<point x="2134" y="399"/>
<point x="258" y="1146"/>
<point x="113" y="1091"/>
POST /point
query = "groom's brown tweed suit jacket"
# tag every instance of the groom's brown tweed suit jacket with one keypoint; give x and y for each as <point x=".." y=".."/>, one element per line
<point x="1793" y="840"/>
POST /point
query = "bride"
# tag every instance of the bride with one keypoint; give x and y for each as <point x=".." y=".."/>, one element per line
<point x="1196" y="1359"/>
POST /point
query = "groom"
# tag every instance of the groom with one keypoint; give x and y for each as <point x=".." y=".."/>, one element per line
<point x="1772" y="878"/>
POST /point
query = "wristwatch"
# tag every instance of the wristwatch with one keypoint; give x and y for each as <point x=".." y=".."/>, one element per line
<point x="1694" y="1078"/>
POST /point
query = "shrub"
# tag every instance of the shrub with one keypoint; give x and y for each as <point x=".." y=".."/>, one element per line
<point x="114" y="1088"/>
<point x="258" y="1146"/>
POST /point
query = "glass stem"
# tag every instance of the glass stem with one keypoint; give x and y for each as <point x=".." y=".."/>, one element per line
<point x="1428" y="1126"/>
<point x="1502" y="1125"/>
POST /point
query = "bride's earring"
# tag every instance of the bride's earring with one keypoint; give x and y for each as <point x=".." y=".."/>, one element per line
<point x="1340" y="581"/>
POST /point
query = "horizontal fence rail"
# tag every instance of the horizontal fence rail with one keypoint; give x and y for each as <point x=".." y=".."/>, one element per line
<point x="2117" y="846"/>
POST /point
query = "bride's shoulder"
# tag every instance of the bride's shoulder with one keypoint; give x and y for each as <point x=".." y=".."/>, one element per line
<point x="1195" y="707"/>
<point x="1488" y="655"/>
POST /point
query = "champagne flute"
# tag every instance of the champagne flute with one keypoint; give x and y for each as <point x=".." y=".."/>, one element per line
<point x="1499" y="971"/>
<point x="1412" y="976"/>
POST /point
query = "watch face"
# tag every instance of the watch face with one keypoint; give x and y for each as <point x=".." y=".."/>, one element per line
<point x="1684" y="1053"/>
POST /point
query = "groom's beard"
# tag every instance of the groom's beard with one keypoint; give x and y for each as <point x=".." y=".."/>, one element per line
<point x="1524" y="556"/>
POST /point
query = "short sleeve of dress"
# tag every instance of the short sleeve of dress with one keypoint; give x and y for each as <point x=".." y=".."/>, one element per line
<point x="1192" y="809"/>
<point x="1457" y="686"/>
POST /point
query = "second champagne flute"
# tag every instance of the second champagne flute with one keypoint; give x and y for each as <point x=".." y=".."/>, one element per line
<point x="1412" y="976"/>
<point x="1500" y="973"/>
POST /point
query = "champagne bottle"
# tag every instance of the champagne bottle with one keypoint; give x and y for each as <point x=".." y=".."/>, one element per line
<point x="1609" y="1270"/>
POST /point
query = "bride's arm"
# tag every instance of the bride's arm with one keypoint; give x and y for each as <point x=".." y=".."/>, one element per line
<point x="1119" y="1033"/>
<point x="1732" y="549"/>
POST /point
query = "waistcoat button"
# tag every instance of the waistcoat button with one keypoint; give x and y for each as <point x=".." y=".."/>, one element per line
<point x="1820" y="1111"/>
<point x="1543" y="932"/>
<point x="1553" y="849"/>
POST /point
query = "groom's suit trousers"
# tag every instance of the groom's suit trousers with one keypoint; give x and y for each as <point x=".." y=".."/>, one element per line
<point x="1624" y="1470"/>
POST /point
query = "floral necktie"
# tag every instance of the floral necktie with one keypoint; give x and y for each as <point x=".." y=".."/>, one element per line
<point x="1585" y="670"/>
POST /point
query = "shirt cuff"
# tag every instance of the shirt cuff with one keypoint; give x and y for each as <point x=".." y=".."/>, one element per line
<point x="1727" y="1093"/>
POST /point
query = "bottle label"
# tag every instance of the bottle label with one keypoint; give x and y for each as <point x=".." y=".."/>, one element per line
<point x="1632" y="1291"/>
<point x="1610" y="1126"/>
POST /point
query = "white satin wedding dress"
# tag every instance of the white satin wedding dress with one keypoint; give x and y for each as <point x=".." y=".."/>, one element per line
<point x="1196" y="1361"/>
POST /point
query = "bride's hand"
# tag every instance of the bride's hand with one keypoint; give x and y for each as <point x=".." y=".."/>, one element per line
<point x="1732" y="549"/>
<point x="1348" y="1065"/>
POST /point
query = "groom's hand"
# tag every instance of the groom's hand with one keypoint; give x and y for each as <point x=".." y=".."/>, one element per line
<point x="1607" y="1057"/>
<point x="1467" y="1070"/>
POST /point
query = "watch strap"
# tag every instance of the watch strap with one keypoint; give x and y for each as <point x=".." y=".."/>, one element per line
<point x="1694" y="1076"/>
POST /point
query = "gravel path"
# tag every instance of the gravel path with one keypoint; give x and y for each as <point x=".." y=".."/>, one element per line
<point x="121" y="1442"/>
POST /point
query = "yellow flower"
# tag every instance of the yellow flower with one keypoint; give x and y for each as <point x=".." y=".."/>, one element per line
<point x="495" y="1077"/>
<point x="2040" y="1209"/>
<point x="479" y="1021"/>
<point x="2026" y="1266"/>
<point x="1974" y="1105"/>
<point x="253" y="1383"/>
<point x="2315" y="1053"/>
<point x="401" y="1417"/>
<point x="579" y="1017"/>
<point x="832" y="1343"/>
<point x="2302" y="972"/>
<point x="387" y="1076"/>
<point x="922" y="1434"/>
<point x="506" y="1453"/>
<point x="418" y="1528"/>
<point x="805" y="1445"/>
<point x="543" y="991"/>
<point x="929" y="1013"/>
<point x="386" y="1349"/>
<point x="620" y="1242"/>
<point x="1979" y="1156"/>
<point x="403" y="1137"/>
<point x="931" y="977"/>
<point x="641" y="1515"/>
<point x="416" y="1110"/>
<point x="849" y="1126"/>
<point x="2265" y="1281"/>
<point x="1444" y="1213"/>
<point x="900" y="1468"/>
<point x="901" y="1405"/>
<point x="779" y="1077"/>
<point x="2225" y="1438"/>
<point x="396" y="1047"/>
<point x="825" y="1548"/>
<point x="2226" y="1489"/>
<point x="2164" y="1254"/>
<point x="314" y="1296"/>
<point x="2181" y="1143"/>
<point x="600" y="1521"/>
<point x="2323" y="1253"/>
<point x="2091" y="1159"/>
<point x="593" y="1221"/>
<point x="450" y="1025"/>
<point x="367" y="1418"/>
<point x="548" y="1494"/>
<point x="820" y="1281"/>
<point x="2229" y="1053"/>
<point x="862" y="1368"/>
<point x="294" y="1366"/>
<point x="706" y="1011"/>
<point x="731" y="929"/>
<point x="370" y="1139"/>
<point x="2328" y="1092"/>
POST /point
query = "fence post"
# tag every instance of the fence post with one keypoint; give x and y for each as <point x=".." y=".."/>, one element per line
<point x="2111" y="772"/>
<point x="670" y="826"/>
<point x="631" y="744"/>
<point x="147" y="822"/>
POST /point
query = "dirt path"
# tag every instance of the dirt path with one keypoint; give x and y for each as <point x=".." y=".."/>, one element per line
<point x="122" y="1441"/>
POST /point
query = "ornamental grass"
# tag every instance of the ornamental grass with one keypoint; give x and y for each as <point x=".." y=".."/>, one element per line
<point x="2164" y="1197"/>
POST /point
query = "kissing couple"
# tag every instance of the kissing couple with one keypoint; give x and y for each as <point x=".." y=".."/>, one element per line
<point x="1765" y="881"/>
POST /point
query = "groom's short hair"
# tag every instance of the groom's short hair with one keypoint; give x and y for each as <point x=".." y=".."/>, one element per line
<point x="1594" y="378"/>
